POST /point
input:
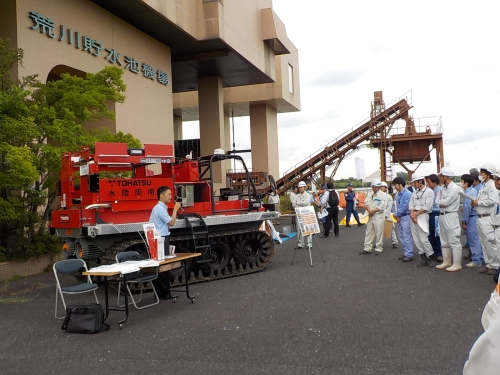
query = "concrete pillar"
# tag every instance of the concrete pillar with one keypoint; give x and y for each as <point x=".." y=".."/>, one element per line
<point x="213" y="125"/>
<point x="177" y="128"/>
<point x="264" y="138"/>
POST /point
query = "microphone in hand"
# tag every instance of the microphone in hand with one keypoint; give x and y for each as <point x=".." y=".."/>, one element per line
<point x="179" y="200"/>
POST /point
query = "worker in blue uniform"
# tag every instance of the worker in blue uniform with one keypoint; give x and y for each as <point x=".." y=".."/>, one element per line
<point x="350" y="206"/>
<point x="468" y="222"/>
<point x="402" y="214"/>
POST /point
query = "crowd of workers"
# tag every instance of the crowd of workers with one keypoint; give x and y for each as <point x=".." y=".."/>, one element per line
<point x="428" y="218"/>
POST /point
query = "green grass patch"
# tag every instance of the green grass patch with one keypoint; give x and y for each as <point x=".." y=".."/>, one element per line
<point x="15" y="300"/>
<point x="13" y="278"/>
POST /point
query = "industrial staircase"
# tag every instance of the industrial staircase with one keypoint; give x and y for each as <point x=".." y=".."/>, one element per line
<point x="381" y="119"/>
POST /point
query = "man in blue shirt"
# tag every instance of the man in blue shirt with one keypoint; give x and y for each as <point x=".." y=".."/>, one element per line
<point x="432" y="181"/>
<point x="159" y="215"/>
<point x="402" y="215"/>
<point x="476" y="185"/>
<point x="162" y="221"/>
<point x="469" y="218"/>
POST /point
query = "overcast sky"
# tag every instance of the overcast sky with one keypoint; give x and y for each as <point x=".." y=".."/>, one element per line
<point x="443" y="55"/>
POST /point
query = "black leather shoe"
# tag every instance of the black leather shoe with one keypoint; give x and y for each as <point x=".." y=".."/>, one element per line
<point x="423" y="261"/>
<point x="360" y="224"/>
<point x="365" y="252"/>
<point x="323" y="236"/>
<point x="401" y="257"/>
<point x="406" y="259"/>
<point x="347" y="226"/>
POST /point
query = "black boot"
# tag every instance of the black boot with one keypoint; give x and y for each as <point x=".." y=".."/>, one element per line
<point x="432" y="261"/>
<point x="423" y="261"/>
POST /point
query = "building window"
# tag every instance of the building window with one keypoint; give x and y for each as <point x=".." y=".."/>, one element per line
<point x="290" y="78"/>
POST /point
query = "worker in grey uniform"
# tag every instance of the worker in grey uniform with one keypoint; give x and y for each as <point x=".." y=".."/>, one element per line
<point x="486" y="204"/>
<point x="387" y="214"/>
<point x="448" y="201"/>
<point x="375" y="206"/>
<point x="274" y="198"/>
<point x="495" y="220"/>
<point x="420" y="205"/>
<point x="302" y="199"/>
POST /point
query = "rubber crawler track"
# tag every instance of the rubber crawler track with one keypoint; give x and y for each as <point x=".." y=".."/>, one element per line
<point x="250" y="252"/>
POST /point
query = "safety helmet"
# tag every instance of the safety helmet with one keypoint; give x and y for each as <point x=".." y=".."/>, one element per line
<point x="417" y="178"/>
<point x="383" y="183"/>
<point x="302" y="184"/>
<point x="446" y="171"/>
<point x="489" y="168"/>
<point x="376" y="182"/>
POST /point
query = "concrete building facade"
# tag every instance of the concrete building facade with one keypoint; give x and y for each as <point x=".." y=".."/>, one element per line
<point x="183" y="60"/>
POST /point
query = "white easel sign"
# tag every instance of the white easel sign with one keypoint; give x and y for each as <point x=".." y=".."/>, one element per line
<point x="306" y="220"/>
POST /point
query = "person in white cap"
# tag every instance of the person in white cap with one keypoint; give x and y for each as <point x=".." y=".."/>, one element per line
<point x="420" y="205"/>
<point x="486" y="204"/>
<point x="448" y="201"/>
<point x="375" y="206"/>
<point x="387" y="214"/>
<point x="302" y="199"/>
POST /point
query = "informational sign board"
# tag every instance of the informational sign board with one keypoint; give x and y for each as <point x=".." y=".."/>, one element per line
<point x="306" y="220"/>
<point x="155" y="244"/>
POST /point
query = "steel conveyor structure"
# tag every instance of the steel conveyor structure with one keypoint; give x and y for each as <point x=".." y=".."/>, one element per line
<point x="376" y="127"/>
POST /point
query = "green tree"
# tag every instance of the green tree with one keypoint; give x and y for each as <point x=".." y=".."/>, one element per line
<point x="404" y="175"/>
<point x="38" y="122"/>
<point x="473" y="170"/>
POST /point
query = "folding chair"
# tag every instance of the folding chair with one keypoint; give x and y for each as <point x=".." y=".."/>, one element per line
<point x="67" y="267"/>
<point x="140" y="279"/>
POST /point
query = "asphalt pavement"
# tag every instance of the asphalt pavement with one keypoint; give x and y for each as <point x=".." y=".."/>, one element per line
<point x="348" y="314"/>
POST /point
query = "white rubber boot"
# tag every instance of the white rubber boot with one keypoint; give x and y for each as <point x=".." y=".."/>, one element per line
<point x="457" y="260"/>
<point x="446" y="259"/>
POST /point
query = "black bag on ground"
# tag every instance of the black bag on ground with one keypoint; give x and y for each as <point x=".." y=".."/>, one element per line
<point x="333" y="198"/>
<point x="84" y="319"/>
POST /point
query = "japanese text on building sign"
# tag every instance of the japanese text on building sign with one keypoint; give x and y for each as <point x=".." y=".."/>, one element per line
<point x="94" y="47"/>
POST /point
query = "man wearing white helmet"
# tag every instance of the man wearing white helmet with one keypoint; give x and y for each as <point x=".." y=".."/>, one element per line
<point x="302" y="199"/>
<point x="375" y="206"/>
<point x="387" y="214"/>
<point x="420" y="206"/>
<point x="448" y="201"/>
<point x="486" y="204"/>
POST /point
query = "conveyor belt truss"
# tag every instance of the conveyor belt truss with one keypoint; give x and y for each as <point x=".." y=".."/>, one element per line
<point x="334" y="152"/>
